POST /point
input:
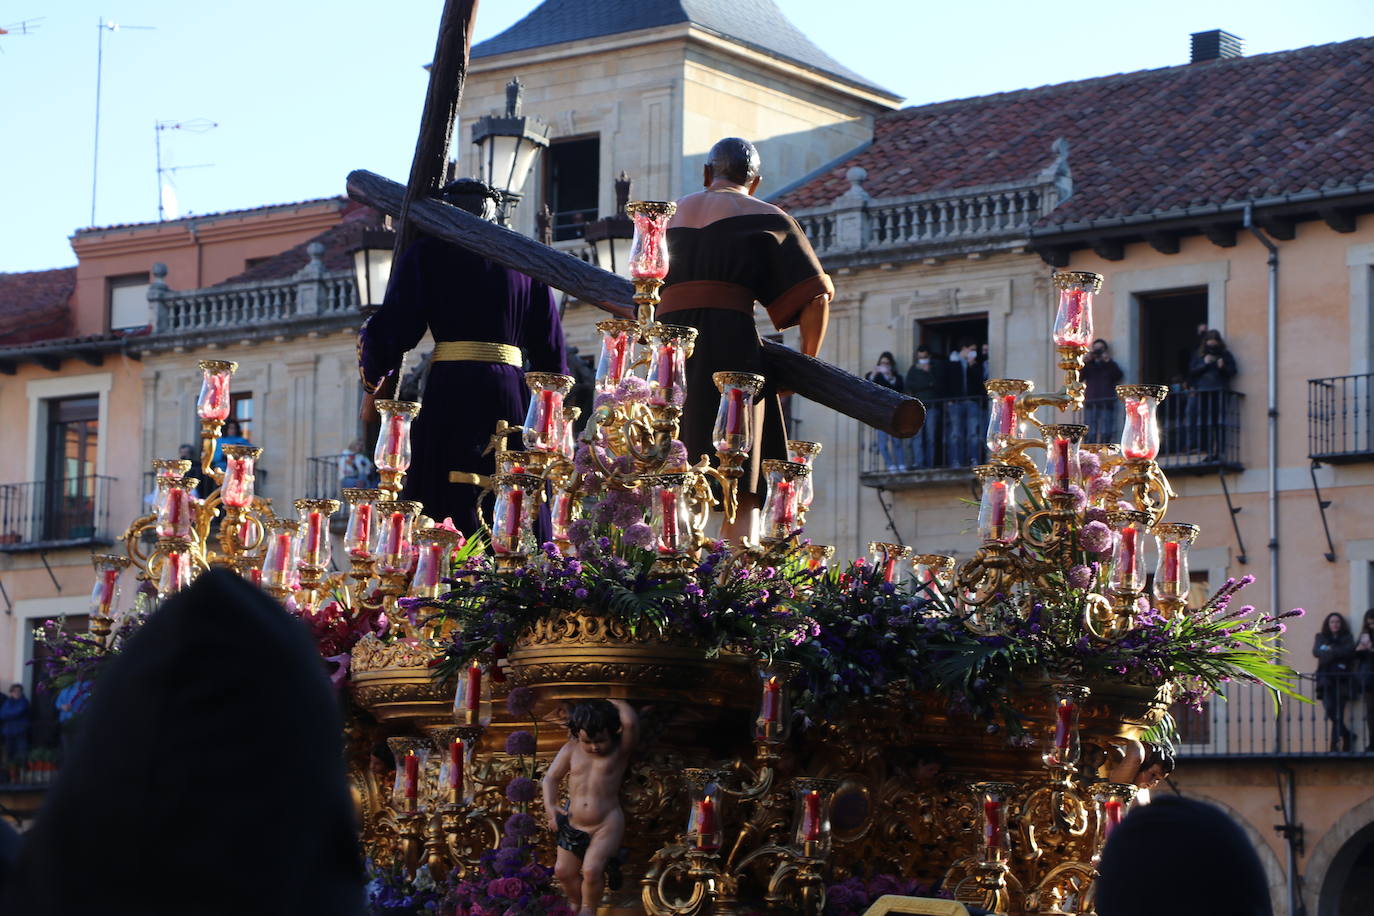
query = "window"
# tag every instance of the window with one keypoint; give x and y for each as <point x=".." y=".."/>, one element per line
<point x="69" y="482"/>
<point x="241" y="411"/>
<point x="128" y="302"/>
<point x="944" y="335"/>
<point x="1168" y="333"/>
<point x="572" y="173"/>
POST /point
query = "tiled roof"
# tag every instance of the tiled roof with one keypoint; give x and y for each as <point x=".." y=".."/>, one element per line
<point x="338" y="241"/>
<point x="34" y="305"/>
<point x="1144" y="143"/>
<point x="221" y="214"/>
<point x="756" y="23"/>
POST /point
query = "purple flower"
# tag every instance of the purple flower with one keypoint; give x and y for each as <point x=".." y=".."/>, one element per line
<point x="1089" y="465"/>
<point x="1095" y="537"/>
<point x="520" y="825"/>
<point x="580" y="532"/>
<point x="520" y="701"/>
<point x="1080" y="576"/>
<point x="677" y="455"/>
<point x="520" y="743"/>
<point x="638" y="535"/>
<point x="520" y="790"/>
<point x="1095" y="514"/>
<point x="509" y="888"/>
<point x="580" y="594"/>
<point x="508" y="860"/>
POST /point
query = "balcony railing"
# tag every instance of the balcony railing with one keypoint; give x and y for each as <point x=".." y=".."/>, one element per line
<point x="853" y="222"/>
<point x="324" y="477"/>
<point x="1199" y="433"/>
<point x="45" y="514"/>
<point x="246" y="304"/>
<point x="1246" y="724"/>
<point x="1339" y="417"/>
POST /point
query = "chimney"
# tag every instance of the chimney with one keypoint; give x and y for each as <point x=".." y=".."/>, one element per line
<point x="1215" y="45"/>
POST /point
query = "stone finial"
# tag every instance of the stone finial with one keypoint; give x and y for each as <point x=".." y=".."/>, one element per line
<point x="159" y="277"/>
<point x="1057" y="172"/>
<point x="856" y="176"/>
<point x="316" y="252"/>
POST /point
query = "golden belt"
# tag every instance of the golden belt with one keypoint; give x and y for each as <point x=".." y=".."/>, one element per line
<point x="477" y="351"/>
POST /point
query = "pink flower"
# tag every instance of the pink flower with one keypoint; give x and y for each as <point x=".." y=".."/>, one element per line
<point x="510" y="888"/>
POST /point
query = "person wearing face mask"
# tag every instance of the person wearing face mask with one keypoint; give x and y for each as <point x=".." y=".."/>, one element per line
<point x="925" y="380"/>
<point x="1210" y="374"/>
<point x="967" y="406"/>
<point x="892" y="450"/>
<point x="1334" y="650"/>
<point x="1100" y="375"/>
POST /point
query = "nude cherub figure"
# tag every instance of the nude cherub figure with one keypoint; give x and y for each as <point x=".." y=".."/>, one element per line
<point x="602" y="734"/>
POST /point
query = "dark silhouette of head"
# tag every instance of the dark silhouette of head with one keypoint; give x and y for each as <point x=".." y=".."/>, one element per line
<point x="1207" y="861"/>
<point x="1211" y="342"/>
<point x="476" y="197"/>
<point x="734" y="160"/>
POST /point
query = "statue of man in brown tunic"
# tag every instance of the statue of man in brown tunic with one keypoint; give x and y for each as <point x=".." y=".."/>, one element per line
<point x="730" y="250"/>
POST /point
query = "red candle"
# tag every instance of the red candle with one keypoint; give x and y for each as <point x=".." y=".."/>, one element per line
<point x="474" y="691"/>
<point x="999" y="508"/>
<point x="1061" y="464"/>
<point x="455" y="764"/>
<point x="772" y="700"/>
<point x="434" y="555"/>
<point x="1111" y="809"/>
<point x="668" y="502"/>
<point x="215" y="404"/>
<point x="412" y="775"/>
<point x="514" y="505"/>
<point x="1137" y="444"/>
<point x="176" y="510"/>
<point x="363" y="529"/>
<point x="1171" y="565"/>
<point x="395" y="431"/>
<point x="1128" y="551"/>
<point x="235" y="483"/>
<point x="992" y="823"/>
<point x="395" y="534"/>
<point x="548" y="413"/>
<point x="255" y="575"/>
<point x="734" y="413"/>
<point x="108" y="578"/>
<point x="283" y="554"/>
<point x="663" y="392"/>
<point x="706" y="824"/>
<point x="619" y="347"/>
<point x="1008" y="418"/>
<point x="1063" y="725"/>
<point x="811" y="817"/>
<point x="313" y="531"/>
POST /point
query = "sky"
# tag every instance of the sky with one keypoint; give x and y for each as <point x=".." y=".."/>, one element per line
<point x="304" y="92"/>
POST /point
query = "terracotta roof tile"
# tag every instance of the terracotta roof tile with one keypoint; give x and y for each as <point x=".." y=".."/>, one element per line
<point x="338" y="241"/>
<point x="1139" y="143"/>
<point x="34" y="305"/>
<point x="220" y="214"/>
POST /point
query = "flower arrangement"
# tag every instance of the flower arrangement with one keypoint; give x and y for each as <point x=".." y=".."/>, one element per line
<point x="71" y="657"/>
<point x="852" y="896"/>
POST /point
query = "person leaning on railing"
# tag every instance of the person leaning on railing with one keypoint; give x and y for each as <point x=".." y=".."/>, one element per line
<point x="1334" y="649"/>
<point x="1364" y="666"/>
<point x="1209" y="374"/>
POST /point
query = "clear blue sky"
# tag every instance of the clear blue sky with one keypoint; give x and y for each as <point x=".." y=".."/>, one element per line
<point x="304" y="92"/>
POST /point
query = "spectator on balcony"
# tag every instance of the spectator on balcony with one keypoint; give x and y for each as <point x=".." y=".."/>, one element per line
<point x="1334" y="649"/>
<point x="71" y="700"/>
<point x="1364" y="664"/>
<point x="231" y="435"/>
<point x="1210" y="375"/>
<point x="925" y="380"/>
<point x="963" y="425"/>
<point x="14" y="714"/>
<point x="187" y="452"/>
<point x="1101" y="374"/>
<point x="892" y="450"/>
<point x="355" y="468"/>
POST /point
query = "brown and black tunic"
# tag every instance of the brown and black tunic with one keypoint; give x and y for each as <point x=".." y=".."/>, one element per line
<point x="717" y="273"/>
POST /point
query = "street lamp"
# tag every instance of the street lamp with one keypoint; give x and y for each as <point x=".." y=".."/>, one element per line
<point x="506" y="149"/>
<point x="372" y="266"/>
<point x="611" y="237"/>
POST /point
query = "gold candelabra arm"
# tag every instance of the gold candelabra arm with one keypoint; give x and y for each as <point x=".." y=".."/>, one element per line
<point x="674" y="864"/>
<point x="133" y="543"/>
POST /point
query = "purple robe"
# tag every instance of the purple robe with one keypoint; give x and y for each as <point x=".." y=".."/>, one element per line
<point x="459" y="295"/>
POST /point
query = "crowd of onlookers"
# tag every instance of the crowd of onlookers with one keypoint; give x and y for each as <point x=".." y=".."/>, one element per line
<point x="1194" y="418"/>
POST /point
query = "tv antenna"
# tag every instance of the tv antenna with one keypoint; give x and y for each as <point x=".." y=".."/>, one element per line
<point x="103" y="25"/>
<point x="22" y="27"/>
<point x="194" y="126"/>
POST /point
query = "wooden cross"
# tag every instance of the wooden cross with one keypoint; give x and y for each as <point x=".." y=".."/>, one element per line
<point x="418" y="209"/>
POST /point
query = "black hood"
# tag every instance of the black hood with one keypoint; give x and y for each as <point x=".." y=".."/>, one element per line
<point x="208" y="777"/>
<point x="1182" y="857"/>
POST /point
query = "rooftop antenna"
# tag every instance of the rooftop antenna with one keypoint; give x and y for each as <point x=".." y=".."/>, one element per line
<point x="195" y="126"/>
<point x="102" y="26"/>
<point x="22" y="27"/>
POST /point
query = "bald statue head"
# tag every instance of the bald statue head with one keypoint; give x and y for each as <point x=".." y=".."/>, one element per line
<point x="733" y="161"/>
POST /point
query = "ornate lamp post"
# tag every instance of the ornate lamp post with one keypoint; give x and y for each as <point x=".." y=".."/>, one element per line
<point x="506" y="149"/>
<point x="611" y="236"/>
<point x="372" y="266"/>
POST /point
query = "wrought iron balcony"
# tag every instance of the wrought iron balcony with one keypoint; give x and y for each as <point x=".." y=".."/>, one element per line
<point x="49" y="514"/>
<point x="950" y="443"/>
<point x="1246" y="723"/>
<point x="1199" y="430"/>
<point x="1339" y="416"/>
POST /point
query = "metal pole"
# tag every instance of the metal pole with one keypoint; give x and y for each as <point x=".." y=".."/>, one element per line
<point x="95" y="154"/>
<point x="157" y="137"/>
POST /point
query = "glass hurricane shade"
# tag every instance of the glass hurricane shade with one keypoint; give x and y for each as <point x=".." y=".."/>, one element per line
<point x="361" y="534"/>
<point x="213" y="402"/>
<point x="648" y="253"/>
<point x="1073" y="321"/>
<point x="997" y="505"/>
<point x="505" y="152"/>
<point x="472" y="700"/>
<point x="1172" y="541"/>
<point x="544" y="429"/>
<point x="392" y="451"/>
<point x="619" y="339"/>
<point x="1003" y="424"/>
<point x="239" y="465"/>
<point x="105" y="591"/>
<point x="1140" y="432"/>
<point x="517" y="503"/>
<point x="733" y="433"/>
<point x="773" y="722"/>
<point x="667" y="373"/>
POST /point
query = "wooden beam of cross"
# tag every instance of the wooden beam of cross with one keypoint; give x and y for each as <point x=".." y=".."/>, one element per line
<point x="879" y="407"/>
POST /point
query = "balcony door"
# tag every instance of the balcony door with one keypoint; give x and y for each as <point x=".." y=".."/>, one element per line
<point x="69" y="484"/>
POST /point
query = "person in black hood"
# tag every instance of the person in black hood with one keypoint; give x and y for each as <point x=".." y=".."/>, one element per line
<point x="208" y="779"/>
<point x="1182" y="857"/>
